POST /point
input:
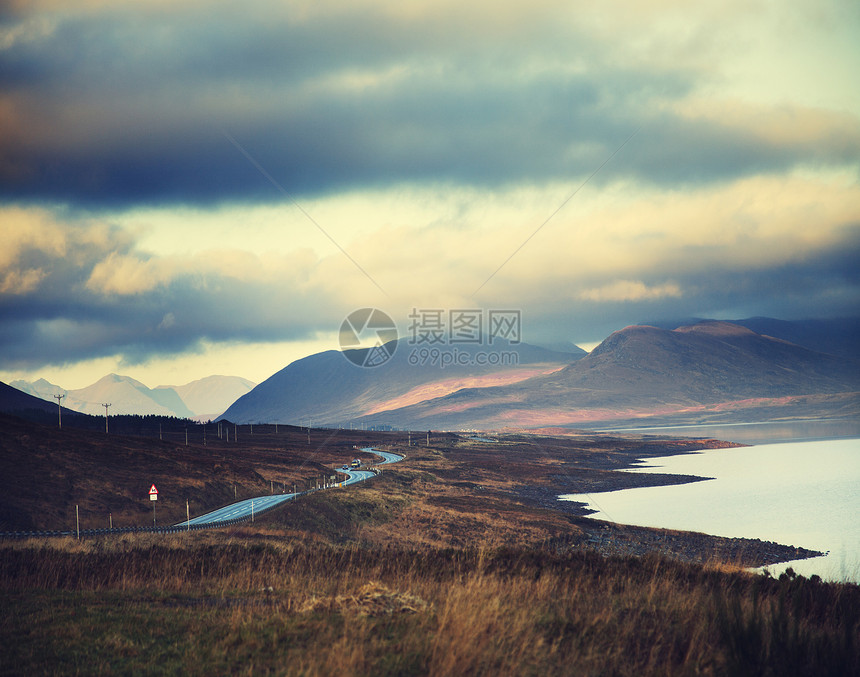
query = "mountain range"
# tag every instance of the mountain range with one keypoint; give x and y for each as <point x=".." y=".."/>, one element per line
<point x="702" y="372"/>
<point x="203" y="399"/>
<point x="707" y="371"/>
<point x="329" y="388"/>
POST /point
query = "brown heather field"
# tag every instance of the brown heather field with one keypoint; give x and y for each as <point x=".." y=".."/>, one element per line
<point x="274" y="602"/>
<point x="453" y="562"/>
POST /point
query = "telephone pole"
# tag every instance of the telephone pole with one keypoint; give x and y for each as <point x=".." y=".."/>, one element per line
<point x="106" y="416"/>
<point x="60" y="408"/>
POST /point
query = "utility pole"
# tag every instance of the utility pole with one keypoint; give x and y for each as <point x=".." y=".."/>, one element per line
<point x="187" y="516"/>
<point x="186" y="436"/>
<point x="60" y="408"/>
<point x="106" y="417"/>
<point x="78" y="521"/>
<point x="159" y="431"/>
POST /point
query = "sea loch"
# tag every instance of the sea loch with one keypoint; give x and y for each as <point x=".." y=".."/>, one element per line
<point x="804" y="493"/>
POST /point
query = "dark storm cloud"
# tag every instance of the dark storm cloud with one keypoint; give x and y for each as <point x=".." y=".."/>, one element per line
<point x="129" y="108"/>
<point x="105" y="108"/>
<point x="826" y="284"/>
<point x="98" y="296"/>
<point x="171" y="320"/>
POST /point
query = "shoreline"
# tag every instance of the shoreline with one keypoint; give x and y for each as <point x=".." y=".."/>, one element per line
<point x="611" y="538"/>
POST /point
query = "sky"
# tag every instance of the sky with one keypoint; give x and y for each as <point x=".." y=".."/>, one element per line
<point x="195" y="188"/>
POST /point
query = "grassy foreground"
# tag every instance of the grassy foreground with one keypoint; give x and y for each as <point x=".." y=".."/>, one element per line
<point x="457" y="560"/>
<point x="270" y="601"/>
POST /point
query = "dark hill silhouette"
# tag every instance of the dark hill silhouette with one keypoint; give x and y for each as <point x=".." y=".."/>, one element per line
<point x="15" y="402"/>
<point x="34" y="409"/>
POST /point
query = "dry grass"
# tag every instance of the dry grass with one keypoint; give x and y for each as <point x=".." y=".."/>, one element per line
<point x="266" y="602"/>
<point x="441" y="566"/>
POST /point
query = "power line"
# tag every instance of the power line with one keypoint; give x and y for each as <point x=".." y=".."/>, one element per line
<point x="106" y="416"/>
<point x="59" y="408"/>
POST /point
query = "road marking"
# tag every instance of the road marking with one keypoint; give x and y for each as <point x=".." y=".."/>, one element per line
<point x="243" y="508"/>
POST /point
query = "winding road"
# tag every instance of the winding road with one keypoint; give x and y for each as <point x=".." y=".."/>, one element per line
<point x="254" y="506"/>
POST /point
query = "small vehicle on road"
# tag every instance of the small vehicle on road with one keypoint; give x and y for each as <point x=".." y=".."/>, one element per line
<point x="356" y="463"/>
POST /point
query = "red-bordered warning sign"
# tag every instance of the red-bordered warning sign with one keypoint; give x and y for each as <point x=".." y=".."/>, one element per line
<point x="153" y="493"/>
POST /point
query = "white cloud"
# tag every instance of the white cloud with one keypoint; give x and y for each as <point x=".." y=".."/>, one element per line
<point x="630" y="290"/>
<point x="167" y="321"/>
<point x="21" y="281"/>
<point x="430" y="140"/>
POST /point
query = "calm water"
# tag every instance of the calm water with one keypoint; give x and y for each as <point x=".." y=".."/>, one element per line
<point x="798" y="493"/>
<point x="768" y="432"/>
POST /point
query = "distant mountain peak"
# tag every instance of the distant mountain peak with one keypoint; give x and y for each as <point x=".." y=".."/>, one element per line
<point x="205" y="397"/>
<point x="619" y="338"/>
<point x="119" y="378"/>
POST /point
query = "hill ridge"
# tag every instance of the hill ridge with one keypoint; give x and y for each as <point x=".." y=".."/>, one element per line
<point x="644" y="371"/>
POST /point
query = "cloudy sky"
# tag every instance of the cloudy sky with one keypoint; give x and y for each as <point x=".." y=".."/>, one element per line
<point x="189" y="188"/>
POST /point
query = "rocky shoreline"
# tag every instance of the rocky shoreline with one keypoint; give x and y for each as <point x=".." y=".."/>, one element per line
<point x="621" y="539"/>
